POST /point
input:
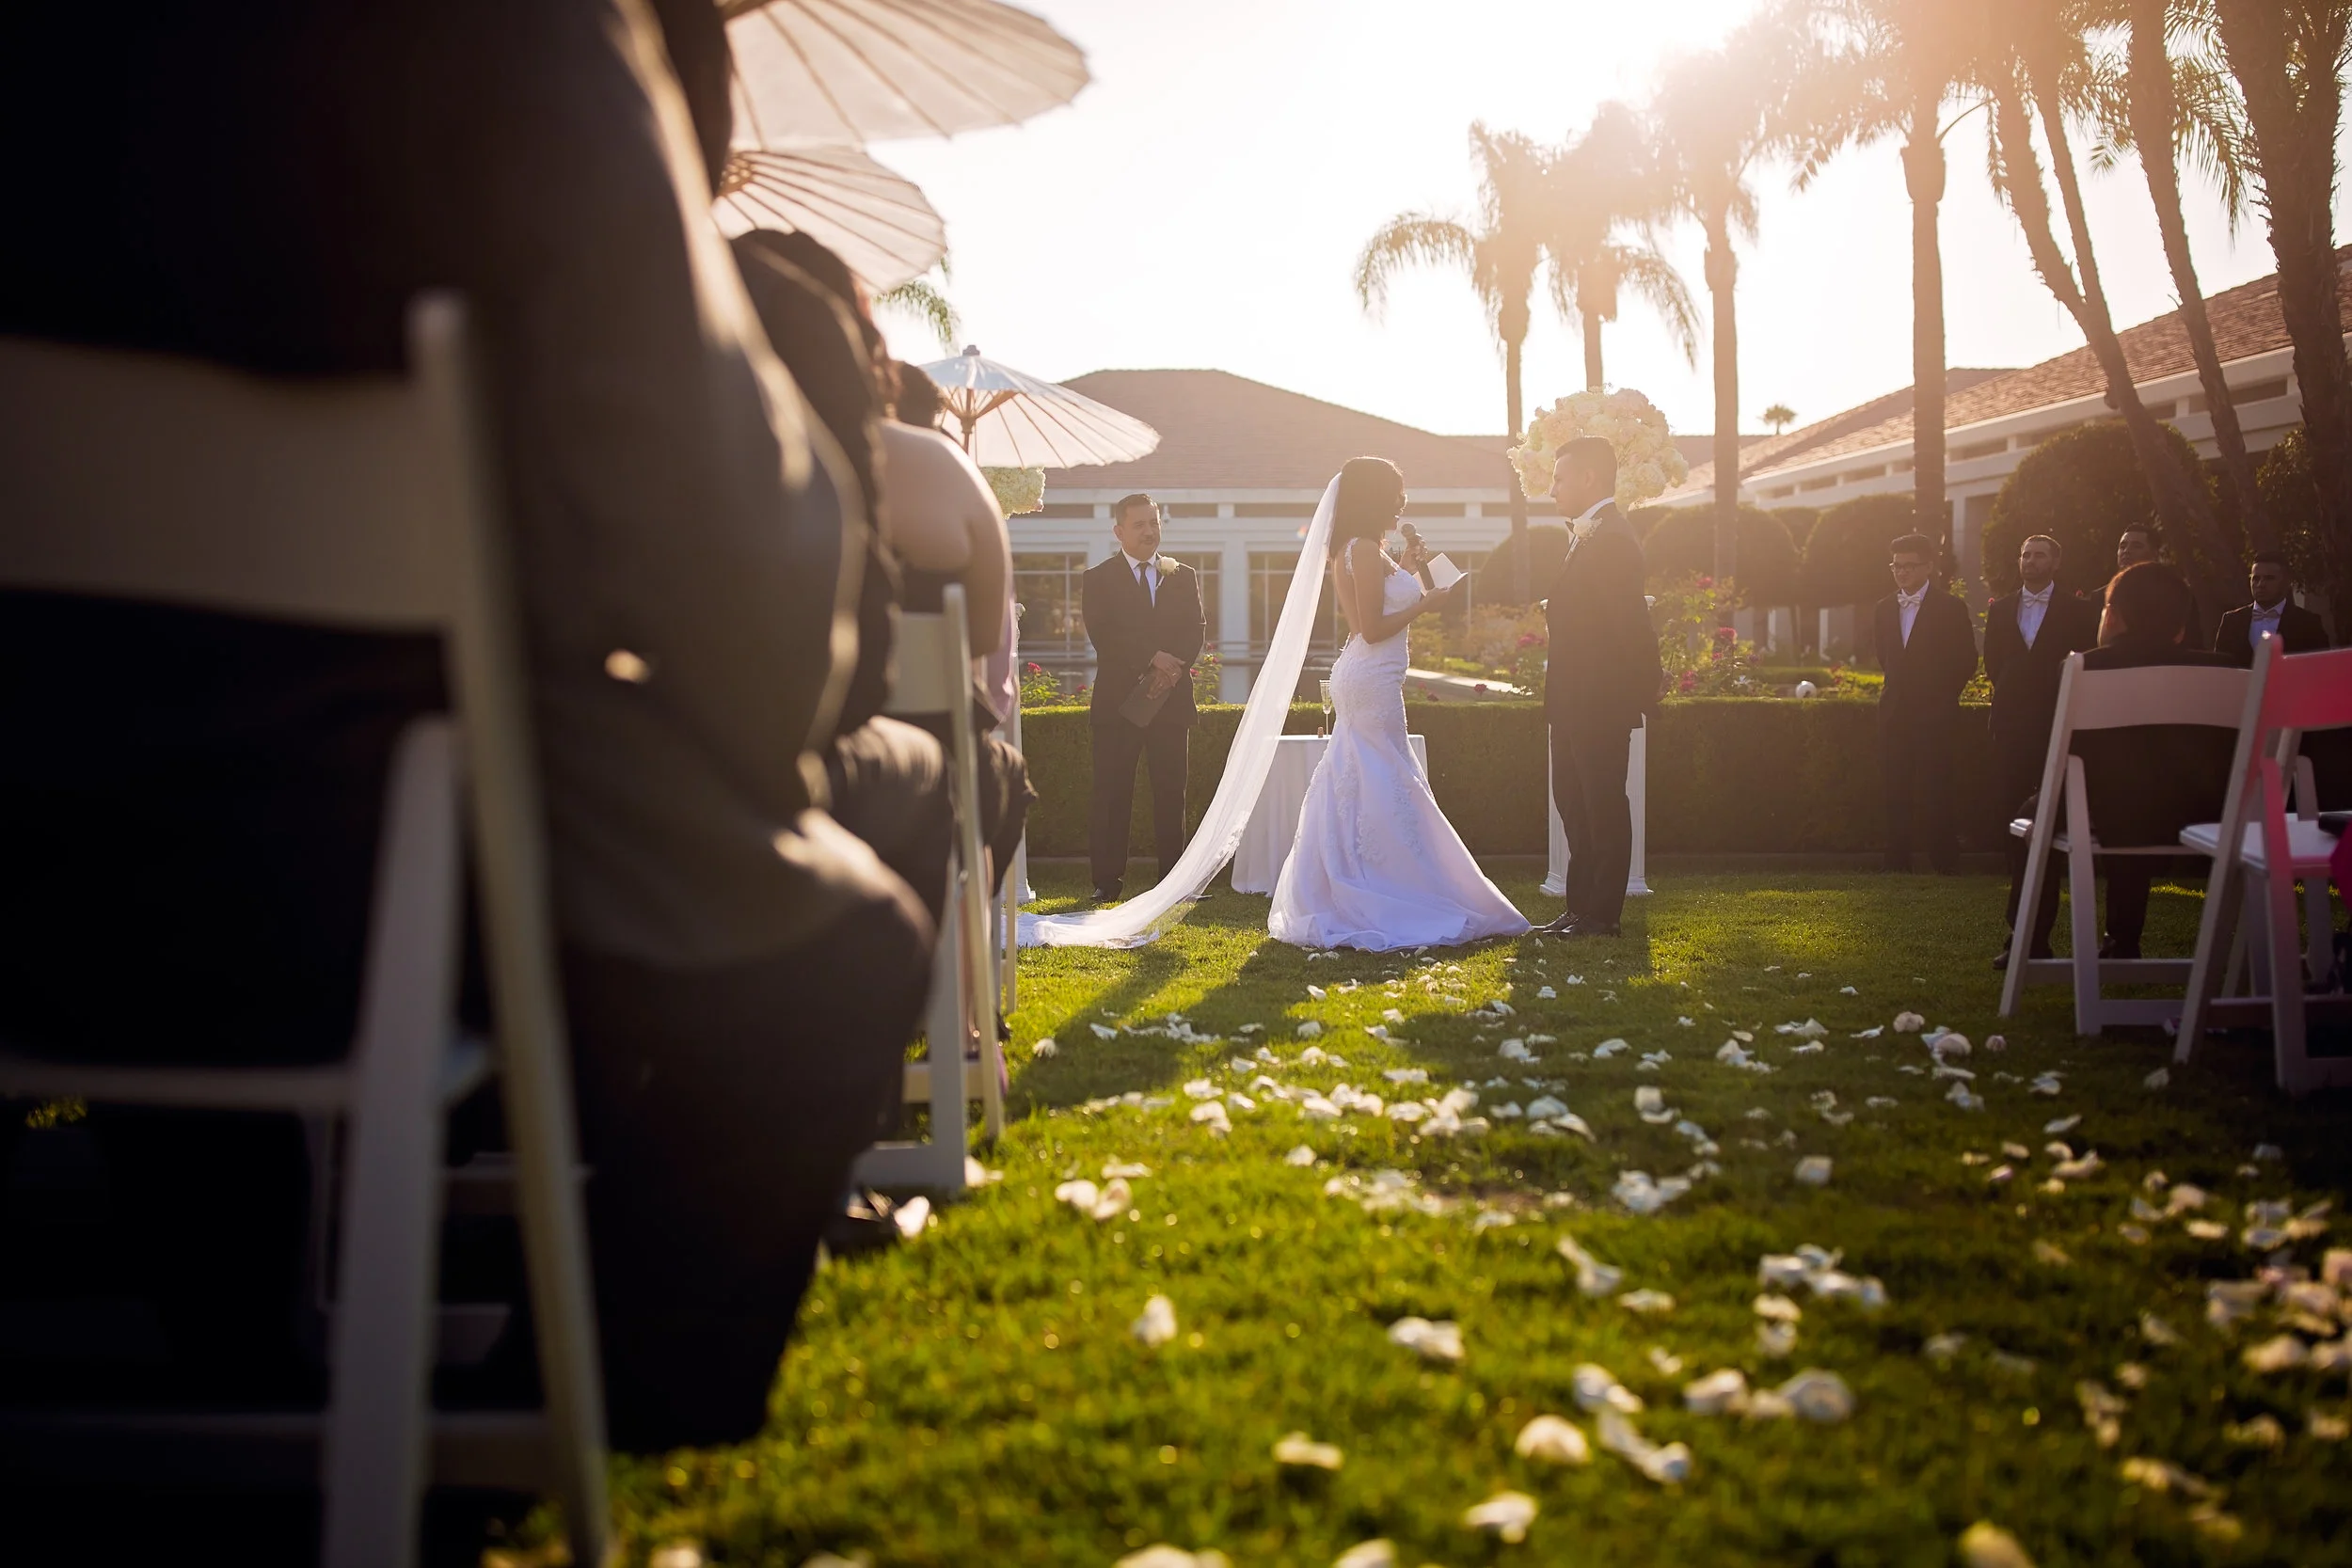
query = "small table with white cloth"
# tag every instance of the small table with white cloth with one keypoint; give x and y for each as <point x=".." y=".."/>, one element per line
<point x="1265" y="843"/>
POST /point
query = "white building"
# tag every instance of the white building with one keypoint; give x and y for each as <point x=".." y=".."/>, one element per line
<point x="1239" y="470"/>
<point x="1994" y="417"/>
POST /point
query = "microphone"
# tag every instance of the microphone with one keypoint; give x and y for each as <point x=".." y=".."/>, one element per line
<point x="1412" y="539"/>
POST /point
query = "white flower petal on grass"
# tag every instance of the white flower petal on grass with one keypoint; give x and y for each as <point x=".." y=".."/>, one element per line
<point x="1593" y="1276"/>
<point x="1667" y="1466"/>
<point x="1596" y="1389"/>
<point x="1962" y="1097"/>
<point x="1046" y="1047"/>
<point x="1403" y="1075"/>
<point x="1377" y="1553"/>
<point x="1550" y="1440"/>
<point x="1647" y="1303"/>
<point x="1300" y="1451"/>
<point x="1776" y="1308"/>
<point x="1315" y="993"/>
<point x="1080" y="1195"/>
<point x="1607" y="1049"/>
<point x="979" y="1175"/>
<point x="1505" y="1516"/>
<point x="1544" y="1107"/>
<point x="912" y="1217"/>
<point x="2281" y="1354"/>
<point x="1439" y="1341"/>
<point x="1408" y="1112"/>
<point x="1309" y="1030"/>
<point x="1515" y="1051"/>
<point x="1199" y="1089"/>
<point x="1545" y="993"/>
<point x="677" y="1554"/>
<point x="1157" y="1326"/>
<point x="1948" y="1044"/>
<point x="1667" y="1364"/>
<point x="1165" y="1555"/>
<point x="1847" y="991"/>
<point x="1817" y="1396"/>
<point x="1988" y="1545"/>
<point x="1775" y="1341"/>
<point x="1316" y="1108"/>
<point x="1212" y="1115"/>
<point x="2157" y="1079"/>
<point x="1717" y="1394"/>
<point x="1909" y="1024"/>
<point x="1813" y="1170"/>
<point x="1302" y="1156"/>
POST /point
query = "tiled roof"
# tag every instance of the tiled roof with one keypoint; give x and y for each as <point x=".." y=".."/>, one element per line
<point x="1225" y="431"/>
<point x="1809" y="441"/>
<point x="2246" y="322"/>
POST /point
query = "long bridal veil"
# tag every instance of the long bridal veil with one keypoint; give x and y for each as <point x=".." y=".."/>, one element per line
<point x="1142" y="918"/>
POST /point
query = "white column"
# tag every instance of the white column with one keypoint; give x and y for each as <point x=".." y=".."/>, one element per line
<point x="1232" y="609"/>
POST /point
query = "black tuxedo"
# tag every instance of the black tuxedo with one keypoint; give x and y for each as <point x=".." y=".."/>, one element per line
<point x="1918" y="712"/>
<point x="1601" y="679"/>
<point x="2025" y="686"/>
<point x="2299" y="629"/>
<point x="1128" y="624"/>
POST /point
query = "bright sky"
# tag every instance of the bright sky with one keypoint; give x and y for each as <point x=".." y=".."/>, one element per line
<point x="1204" y="202"/>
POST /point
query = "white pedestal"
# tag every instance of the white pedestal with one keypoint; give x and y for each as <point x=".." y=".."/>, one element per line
<point x="1637" y="795"/>
<point x="1273" y="827"/>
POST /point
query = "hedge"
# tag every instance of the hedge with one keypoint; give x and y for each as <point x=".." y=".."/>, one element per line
<point x="1726" y="775"/>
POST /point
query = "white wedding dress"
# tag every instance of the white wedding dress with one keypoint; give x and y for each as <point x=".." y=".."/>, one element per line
<point x="1377" y="866"/>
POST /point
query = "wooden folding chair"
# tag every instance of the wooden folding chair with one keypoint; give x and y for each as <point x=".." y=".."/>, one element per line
<point x="2258" y="848"/>
<point x="2103" y="700"/>
<point x="934" y="680"/>
<point x="367" y="504"/>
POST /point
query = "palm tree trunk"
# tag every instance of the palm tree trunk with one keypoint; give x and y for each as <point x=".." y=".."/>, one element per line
<point x="1923" y="175"/>
<point x="1522" y="569"/>
<point x="2293" y="139"/>
<point x="2153" y="114"/>
<point x="1593" y="380"/>
<point x="2182" y="506"/>
<point x="1723" y="276"/>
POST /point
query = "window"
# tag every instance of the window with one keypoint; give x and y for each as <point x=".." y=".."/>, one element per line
<point x="1269" y="585"/>
<point x="1065" y="509"/>
<point x="1207" y="564"/>
<point x="1978" y="449"/>
<point x="1274" y="509"/>
<point x="2259" y="391"/>
<point x="1190" y="509"/>
<point x="1046" y="587"/>
<point x="1780" y="492"/>
<point x="1811" y="484"/>
<point x="1436" y="509"/>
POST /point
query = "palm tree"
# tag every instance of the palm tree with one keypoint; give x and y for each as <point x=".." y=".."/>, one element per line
<point x="1716" y="115"/>
<point x="1603" y="181"/>
<point x="1892" y="67"/>
<point x="2166" y="106"/>
<point x="2040" y="62"/>
<point x="1501" y="256"/>
<point x="1780" y="416"/>
<point x="2289" y="57"/>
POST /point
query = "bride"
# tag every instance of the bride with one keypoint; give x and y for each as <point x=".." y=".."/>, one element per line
<point x="1377" y="866"/>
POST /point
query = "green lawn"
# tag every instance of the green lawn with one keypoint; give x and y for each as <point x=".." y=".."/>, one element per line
<point x="977" y="1398"/>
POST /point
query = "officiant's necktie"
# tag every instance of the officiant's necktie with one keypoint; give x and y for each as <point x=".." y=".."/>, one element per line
<point x="1143" y="581"/>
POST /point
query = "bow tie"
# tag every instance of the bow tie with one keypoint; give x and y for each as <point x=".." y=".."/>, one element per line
<point x="2026" y="595"/>
<point x="1911" y="601"/>
<point x="2272" y="613"/>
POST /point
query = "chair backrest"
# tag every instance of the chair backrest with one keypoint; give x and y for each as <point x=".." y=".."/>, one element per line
<point x="2307" y="691"/>
<point x="934" y="670"/>
<point x="2154" y="694"/>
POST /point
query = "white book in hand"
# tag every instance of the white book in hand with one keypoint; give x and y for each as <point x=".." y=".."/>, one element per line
<point x="1442" y="573"/>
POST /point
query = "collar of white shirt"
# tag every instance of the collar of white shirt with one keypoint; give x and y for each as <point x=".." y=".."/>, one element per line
<point x="1590" y="520"/>
<point x="2272" y="613"/>
<point x="1134" y="565"/>
<point x="2026" y="595"/>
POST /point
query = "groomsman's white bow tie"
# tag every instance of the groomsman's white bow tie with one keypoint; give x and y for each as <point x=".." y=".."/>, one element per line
<point x="1910" y="601"/>
<point x="2026" y="595"/>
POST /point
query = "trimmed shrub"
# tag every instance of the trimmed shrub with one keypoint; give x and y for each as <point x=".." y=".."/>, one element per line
<point x="2083" y="489"/>
<point x="1798" y="521"/>
<point x="1845" y="555"/>
<point x="1683" y="545"/>
<point x="1726" y="776"/>
<point x="2291" y="495"/>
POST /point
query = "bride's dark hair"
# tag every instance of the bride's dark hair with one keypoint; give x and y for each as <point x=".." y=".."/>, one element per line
<point x="1372" y="495"/>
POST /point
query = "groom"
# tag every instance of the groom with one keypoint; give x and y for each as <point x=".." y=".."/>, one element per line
<point x="1602" y="677"/>
<point x="1143" y="616"/>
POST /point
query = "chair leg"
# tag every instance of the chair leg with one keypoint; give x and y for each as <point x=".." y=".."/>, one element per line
<point x="946" y="1031"/>
<point x="2083" y="888"/>
<point x="382" y="1339"/>
<point x="2319" y="949"/>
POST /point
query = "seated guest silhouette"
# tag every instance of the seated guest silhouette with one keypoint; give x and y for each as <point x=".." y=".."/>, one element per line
<point x="2145" y="783"/>
<point x="269" y="187"/>
<point x="2274" y="611"/>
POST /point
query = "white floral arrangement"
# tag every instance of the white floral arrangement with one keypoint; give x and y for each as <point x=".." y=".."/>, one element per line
<point x="1018" y="490"/>
<point x="1647" y="463"/>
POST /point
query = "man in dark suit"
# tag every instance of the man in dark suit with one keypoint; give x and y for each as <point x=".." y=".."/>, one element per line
<point x="2028" y="635"/>
<point x="1143" y="616"/>
<point x="2144" y="782"/>
<point x="1602" y="680"/>
<point x="2274" y="610"/>
<point x="1928" y="652"/>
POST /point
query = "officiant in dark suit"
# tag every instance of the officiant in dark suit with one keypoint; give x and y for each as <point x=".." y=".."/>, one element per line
<point x="1602" y="680"/>
<point x="2274" y="610"/>
<point x="1928" y="651"/>
<point x="1143" y="616"/>
<point x="2028" y="634"/>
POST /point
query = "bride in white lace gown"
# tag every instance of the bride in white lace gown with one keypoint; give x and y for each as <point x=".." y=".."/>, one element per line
<point x="1377" y="866"/>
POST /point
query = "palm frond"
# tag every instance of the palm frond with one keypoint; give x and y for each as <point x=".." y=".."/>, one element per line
<point x="1654" y="280"/>
<point x="1412" y="239"/>
<point x="923" y="300"/>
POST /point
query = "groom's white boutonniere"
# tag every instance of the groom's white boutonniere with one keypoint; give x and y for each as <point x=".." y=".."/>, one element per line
<point x="1163" y="564"/>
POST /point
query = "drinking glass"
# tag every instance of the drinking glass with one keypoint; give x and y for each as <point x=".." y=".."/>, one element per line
<point x="1326" y="686"/>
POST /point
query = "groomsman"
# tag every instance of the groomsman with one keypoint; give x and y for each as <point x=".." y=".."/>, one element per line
<point x="1142" y="614"/>
<point x="1602" y="680"/>
<point x="2135" y="544"/>
<point x="2274" y="610"/>
<point x="1928" y="651"/>
<point x="2027" y="636"/>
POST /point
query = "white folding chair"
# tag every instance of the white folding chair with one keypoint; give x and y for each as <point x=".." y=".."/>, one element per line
<point x="1016" y="874"/>
<point x="2258" y="849"/>
<point x="934" y="679"/>
<point x="366" y="505"/>
<point x="2104" y="700"/>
